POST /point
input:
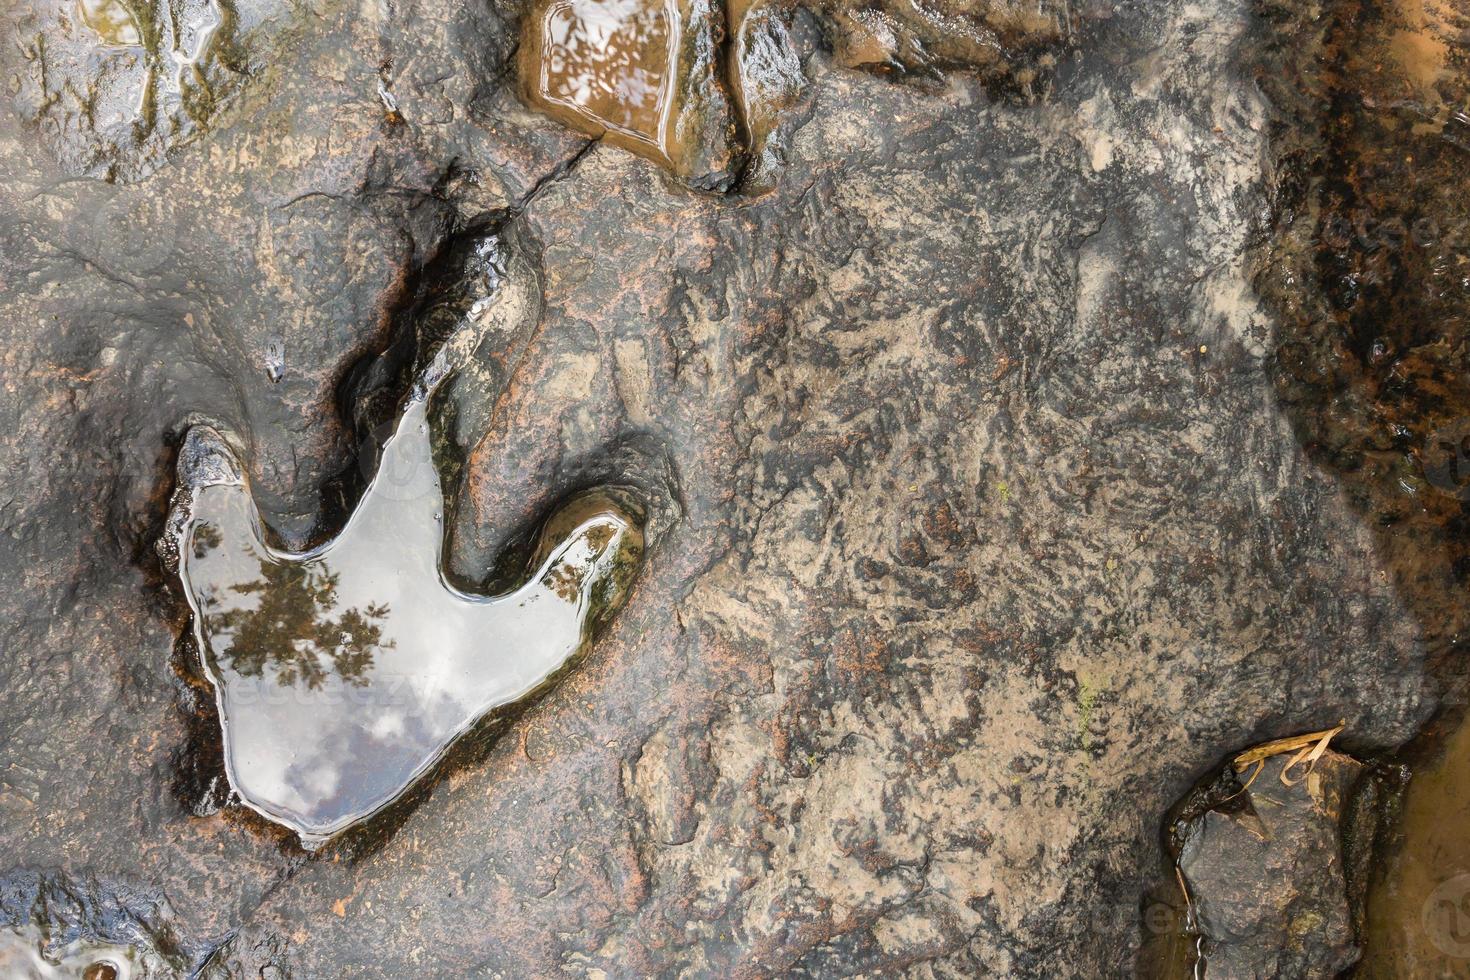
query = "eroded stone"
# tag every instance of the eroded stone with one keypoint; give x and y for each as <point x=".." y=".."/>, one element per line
<point x="1265" y="874"/>
<point x="113" y="86"/>
<point x="767" y="78"/>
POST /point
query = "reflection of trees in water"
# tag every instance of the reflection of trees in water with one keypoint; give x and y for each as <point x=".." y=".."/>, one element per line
<point x="292" y="629"/>
<point x="567" y="577"/>
<point x="207" y="537"/>
<point x="566" y="581"/>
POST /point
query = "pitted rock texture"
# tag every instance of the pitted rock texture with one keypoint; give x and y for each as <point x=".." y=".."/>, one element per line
<point x="983" y="533"/>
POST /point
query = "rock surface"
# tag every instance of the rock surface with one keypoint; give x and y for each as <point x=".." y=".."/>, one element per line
<point x="1266" y="878"/>
<point x="113" y="86"/>
<point x="980" y="532"/>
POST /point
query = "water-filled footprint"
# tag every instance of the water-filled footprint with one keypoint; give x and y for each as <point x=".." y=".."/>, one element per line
<point x="343" y="673"/>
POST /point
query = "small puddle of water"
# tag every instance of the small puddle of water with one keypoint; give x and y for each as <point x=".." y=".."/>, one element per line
<point x="605" y="68"/>
<point x="112" y="22"/>
<point x="1419" y="47"/>
<point x="23" y="956"/>
<point x="342" y="674"/>
<point x="114" y="86"/>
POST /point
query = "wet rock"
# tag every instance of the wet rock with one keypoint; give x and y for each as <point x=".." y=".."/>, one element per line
<point x="982" y="529"/>
<point x="990" y="36"/>
<point x="114" y="86"/>
<point x="769" y="49"/>
<point x="648" y="76"/>
<point x="151" y="306"/>
<point x="957" y="530"/>
<point x="92" y="927"/>
<point x="1266" y="877"/>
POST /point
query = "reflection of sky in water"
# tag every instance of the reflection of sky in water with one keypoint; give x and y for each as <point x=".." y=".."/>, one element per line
<point x="347" y="671"/>
<point x="608" y="59"/>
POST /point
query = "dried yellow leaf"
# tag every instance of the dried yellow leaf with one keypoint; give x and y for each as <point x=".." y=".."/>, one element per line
<point x="1306" y="749"/>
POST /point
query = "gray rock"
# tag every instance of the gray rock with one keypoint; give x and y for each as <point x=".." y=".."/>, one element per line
<point x="982" y="532"/>
<point x="1266" y="875"/>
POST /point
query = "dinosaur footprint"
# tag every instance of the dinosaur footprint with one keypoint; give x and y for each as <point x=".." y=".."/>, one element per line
<point x="343" y="673"/>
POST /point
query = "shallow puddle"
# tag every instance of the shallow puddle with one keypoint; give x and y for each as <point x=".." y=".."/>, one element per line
<point x="604" y="67"/>
<point x="113" y="86"/>
<point x="343" y="673"/>
<point x="1418" y="920"/>
<point x="24" y="956"/>
<point x="112" y="22"/>
<point x="642" y="74"/>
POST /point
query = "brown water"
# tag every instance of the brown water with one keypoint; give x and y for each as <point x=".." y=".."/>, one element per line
<point x="1373" y="298"/>
<point x="1419" y="911"/>
<point x="605" y="68"/>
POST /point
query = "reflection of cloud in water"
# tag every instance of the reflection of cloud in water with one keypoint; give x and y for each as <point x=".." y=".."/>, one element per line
<point x="355" y="768"/>
<point x="344" y="673"/>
